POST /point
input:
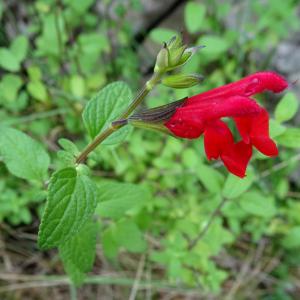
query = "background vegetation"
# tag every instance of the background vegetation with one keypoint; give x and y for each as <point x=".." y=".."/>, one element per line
<point x="175" y="226"/>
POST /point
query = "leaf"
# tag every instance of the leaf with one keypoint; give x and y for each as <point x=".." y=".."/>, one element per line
<point x="194" y="14"/>
<point x="77" y="85"/>
<point x="72" y="199"/>
<point x="210" y="178"/>
<point x="106" y="107"/>
<point x="9" y="87"/>
<point x="214" y="46"/>
<point x="287" y="107"/>
<point x="8" y="61"/>
<point x="128" y="235"/>
<point x="292" y="239"/>
<point x="276" y="128"/>
<point x="258" y="204"/>
<point x="19" y="47"/>
<point x="115" y="199"/>
<point x="160" y="35"/>
<point x="37" y="90"/>
<point x="23" y="156"/>
<point x="290" y="138"/>
<point x="78" y="253"/>
<point x="235" y="186"/>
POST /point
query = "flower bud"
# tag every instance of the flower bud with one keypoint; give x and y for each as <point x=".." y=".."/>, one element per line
<point x="188" y="53"/>
<point x="162" y="60"/>
<point x="155" y="118"/>
<point x="181" y="81"/>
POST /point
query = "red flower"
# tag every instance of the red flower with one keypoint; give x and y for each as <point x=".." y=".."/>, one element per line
<point x="202" y="114"/>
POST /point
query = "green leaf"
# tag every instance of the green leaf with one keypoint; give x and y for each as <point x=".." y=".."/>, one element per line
<point x="19" y="47"/>
<point x="276" y="128"/>
<point x="214" y="46"/>
<point x="287" y="107"/>
<point x="9" y="87"/>
<point x="210" y="178"/>
<point x="290" y="138"/>
<point x="116" y="199"/>
<point x="78" y="253"/>
<point x="106" y="107"/>
<point x="37" y="90"/>
<point x="160" y="35"/>
<point x="292" y="239"/>
<point x="23" y="156"/>
<point x="129" y="236"/>
<point x="8" y="61"/>
<point x="72" y="199"/>
<point x="77" y="86"/>
<point x="194" y="14"/>
<point x="258" y="204"/>
<point x="235" y="186"/>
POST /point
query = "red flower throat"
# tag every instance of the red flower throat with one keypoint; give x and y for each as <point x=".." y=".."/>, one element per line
<point x="202" y="114"/>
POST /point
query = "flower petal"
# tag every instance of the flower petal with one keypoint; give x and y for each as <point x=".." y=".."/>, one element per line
<point x="185" y="127"/>
<point x="236" y="158"/>
<point x="216" y="108"/>
<point x="248" y="86"/>
<point x="255" y="130"/>
<point x="217" y="137"/>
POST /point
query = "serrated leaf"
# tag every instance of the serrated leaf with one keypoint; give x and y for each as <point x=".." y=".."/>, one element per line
<point x="19" y="47"/>
<point x="235" y="186"/>
<point x="287" y="107"/>
<point x="290" y="138"/>
<point x="23" y="156"/>
<point x="193" y="15"/>
<point x="106" y="107"/>
<point x="115" y="199"/>
<point x="72" y="199"/>
<point x="78" y="253"/>
<point x="8" y="60"/>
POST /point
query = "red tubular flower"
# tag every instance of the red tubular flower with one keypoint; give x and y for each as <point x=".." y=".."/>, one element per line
<point x="202" y="114"/>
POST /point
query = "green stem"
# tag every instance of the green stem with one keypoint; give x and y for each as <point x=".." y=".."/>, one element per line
<point x="117" y="125"/>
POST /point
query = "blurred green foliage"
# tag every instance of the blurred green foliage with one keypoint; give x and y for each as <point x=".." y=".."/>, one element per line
<point x="169" y="191"/>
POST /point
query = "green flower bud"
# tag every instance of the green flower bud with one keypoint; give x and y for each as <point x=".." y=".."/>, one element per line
<point x="162" y="60"/>
<point x="175" y="56"/>
<point x="175" y="42"/>
<point x="188" y="53"/>
<point x="181" y="81"/>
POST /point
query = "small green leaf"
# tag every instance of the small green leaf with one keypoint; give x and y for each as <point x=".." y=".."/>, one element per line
<point x="276" y="128"/>
<point x="287" y="107"/>
<point x="214" y="46"/>
<point x="194" y="14"/>
<point x="106" y="107"/>
<point x="160" y="35"/>
<point x="129" y="236"/>
<point x="37" y="90"/>
<point x="19" y="47"/>
<point x="8" y="61"/>
<point x="77" y="86"/>
<point x="235" y="186"/>
<point x="9" y="87"/>
<point x="115" y="199"/>
<point x="257" y="204"/>
<point x="292" y="239"/>
<point x="23" y="156"/>
<point x="78" y="253"/>
<point x="72" y="199"/>
<point x="290" y="138"/>
<point x="210" y="178"/>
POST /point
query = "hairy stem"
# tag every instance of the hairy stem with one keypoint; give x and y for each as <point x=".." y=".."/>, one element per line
<point x="116" y="125"/>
